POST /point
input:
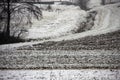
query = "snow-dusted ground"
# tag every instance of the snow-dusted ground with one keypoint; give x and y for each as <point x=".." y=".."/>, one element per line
<point x="68" y="21"/>
<point x="62" y="21"/>
<point x="93" y="3"/>
<point x="83" y="74"/>
<point x="61" y="25"/>
<point x="107" y="20"/>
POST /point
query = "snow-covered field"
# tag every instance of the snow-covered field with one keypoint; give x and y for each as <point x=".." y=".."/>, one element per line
<point x="83" y="74"/>
<point x="62" y="24"/>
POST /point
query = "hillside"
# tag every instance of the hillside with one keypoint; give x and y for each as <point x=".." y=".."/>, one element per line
<point x="62" y="20"/>
<point x="72" y="23"/>
<point x="99" y="28"/>
<point x="103" y="34"/>
<point x="67" y="44"/>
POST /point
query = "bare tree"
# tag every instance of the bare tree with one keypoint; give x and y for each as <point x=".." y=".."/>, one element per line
<point x="18" y="11"/>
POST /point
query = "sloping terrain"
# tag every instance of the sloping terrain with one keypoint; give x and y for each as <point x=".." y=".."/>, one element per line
<point x="107" y="41"/>
<point x="104" y="33"/>
<point x="94" y="52"/>
<point x="98" y="47"/>
<point x="70" y="23"/>
<point x="61" y="21"/>
<point x="104" y="22"/>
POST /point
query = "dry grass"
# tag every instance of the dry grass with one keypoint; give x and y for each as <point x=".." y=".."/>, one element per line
<point x="59" y="59"/>
<point x="109" y="41"/>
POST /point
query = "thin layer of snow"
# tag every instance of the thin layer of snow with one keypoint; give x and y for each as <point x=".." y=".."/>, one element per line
<point x="93" y="3"/>
<point x="83" y="74"/>
<point x="106" y="21"/>
<point x="66" y="21"/>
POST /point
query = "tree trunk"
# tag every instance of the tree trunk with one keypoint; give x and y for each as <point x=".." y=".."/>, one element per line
<point x="8" y="19"/>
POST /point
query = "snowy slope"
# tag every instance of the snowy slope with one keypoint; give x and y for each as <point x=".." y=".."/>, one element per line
<point x="65" y="21"/>
<point x="93" y="3"/>
<point x="107" y="20"/>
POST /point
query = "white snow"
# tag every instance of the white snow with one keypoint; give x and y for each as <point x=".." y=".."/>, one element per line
<point x="93" y="3"/>
<point x="83" y="74"/>
<point x="65" y="21"/>
<point x="106" y="21"/>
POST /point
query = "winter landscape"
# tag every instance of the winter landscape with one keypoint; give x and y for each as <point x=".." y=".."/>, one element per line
<point x="60" y="40"/>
